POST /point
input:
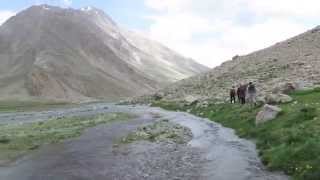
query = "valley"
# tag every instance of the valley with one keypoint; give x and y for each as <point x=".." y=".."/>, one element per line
<point x="211" y="152"/>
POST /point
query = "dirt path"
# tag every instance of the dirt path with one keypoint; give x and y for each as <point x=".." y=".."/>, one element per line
<point x="213" y="153"/>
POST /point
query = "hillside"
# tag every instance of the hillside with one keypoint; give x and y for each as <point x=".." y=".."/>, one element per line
<point x="295" y="61"/>
<point x="75" y="55"/>
<point x="288" y="141"/>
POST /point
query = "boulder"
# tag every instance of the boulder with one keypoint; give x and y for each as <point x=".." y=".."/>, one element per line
<point x="283" y="98"/>
<point x="277" y="98"/>
<point x="267" y="113"/>
<point x="157" y="96"/>
<point x="203" y="104"/>
<point x="286" y="88"/>
<point x="191" y="100"/>
<point x="260" y="101"/>
<point x="235" y="57"/>
<point x="302" y="85"/>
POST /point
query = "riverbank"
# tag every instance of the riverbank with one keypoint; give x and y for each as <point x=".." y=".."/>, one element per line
<point x="31" y="105"/>
<point x="289" y="143"/>
<point x="19" y="139"/>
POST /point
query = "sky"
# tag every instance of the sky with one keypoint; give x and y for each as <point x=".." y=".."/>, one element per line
<point x="209" y="31"/>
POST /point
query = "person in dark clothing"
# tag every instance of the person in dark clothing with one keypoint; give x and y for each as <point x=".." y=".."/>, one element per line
<point x="238" y="93"/>
<point x="242" y="93"/>
<point x="233" y="95"/>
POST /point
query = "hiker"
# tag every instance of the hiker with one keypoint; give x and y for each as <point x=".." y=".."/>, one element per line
<point x="242" y="94"/>
<point x="233" y="95"/>
<point x="252" y="93"/>
<point x="238" y="93"/>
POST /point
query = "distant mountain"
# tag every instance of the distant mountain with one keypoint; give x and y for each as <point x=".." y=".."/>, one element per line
<point x="294" y="63"/>
<point x="170" y="65"/>
<point x="75" y="55"/>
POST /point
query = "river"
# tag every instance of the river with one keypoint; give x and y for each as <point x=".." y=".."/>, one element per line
<point x="214" y="153"/>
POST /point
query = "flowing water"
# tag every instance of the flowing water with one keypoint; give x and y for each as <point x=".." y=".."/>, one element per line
<point x="214" y="153"/>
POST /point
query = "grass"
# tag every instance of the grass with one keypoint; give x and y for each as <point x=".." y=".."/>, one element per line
<point x="17" y="106"/>
<point x="290" y="143"/>
<point x="18" y="139"/>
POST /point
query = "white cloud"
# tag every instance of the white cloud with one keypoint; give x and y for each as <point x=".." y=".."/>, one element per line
<point x="212" y="31"/>
<point x="5" y="15"/>
<point x="305" y="8"/>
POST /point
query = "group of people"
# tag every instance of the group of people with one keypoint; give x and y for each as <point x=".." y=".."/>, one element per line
<point x="245" y="93"/>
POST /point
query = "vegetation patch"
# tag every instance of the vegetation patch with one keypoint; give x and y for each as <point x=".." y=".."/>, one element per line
<point x="17" y="106"/>
<point x="19" y="139"/>
<point x="160" y="131"/>
<point x="290" y="143"/>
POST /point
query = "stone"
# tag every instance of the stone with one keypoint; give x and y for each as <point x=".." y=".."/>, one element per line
<point x="302" y="85"/>
<point x="267" y="113"/>
<point x="277" y="98"/>
<point x="235" y="57"/>
<point x="203" y="104"/>
<point x="288" y="88"/>
<point x="157" y="96"/>
<point x="283" y="98"/>
<point x="191" y="100"/>
<point x="260" y="101"/>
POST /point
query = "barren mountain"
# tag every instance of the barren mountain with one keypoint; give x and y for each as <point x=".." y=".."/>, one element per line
<point x="293" y="63"/>
<point x="75" y="55"/>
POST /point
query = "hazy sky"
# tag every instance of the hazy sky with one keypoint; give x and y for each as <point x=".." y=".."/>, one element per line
<point x="210" y="31"/>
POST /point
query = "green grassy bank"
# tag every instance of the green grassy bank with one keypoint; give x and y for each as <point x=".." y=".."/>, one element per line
<point x="18" y="139"/>
<point x="290" y="143"/>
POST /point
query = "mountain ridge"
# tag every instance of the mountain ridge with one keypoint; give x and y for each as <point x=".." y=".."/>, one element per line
<point x="74" y="55"/>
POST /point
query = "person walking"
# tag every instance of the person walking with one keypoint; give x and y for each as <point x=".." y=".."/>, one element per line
<point x="238" y="93"/>
<point x="242" y="90"/>
<point x="252" y="94"/>
<point x="233" y="95"/>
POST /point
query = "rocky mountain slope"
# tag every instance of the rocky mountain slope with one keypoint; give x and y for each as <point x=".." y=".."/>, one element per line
<point x="293" y="63"/>
<point x="76" y="55"/>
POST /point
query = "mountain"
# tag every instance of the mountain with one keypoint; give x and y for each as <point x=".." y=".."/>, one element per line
<point x="293" y="63"/>
<point x="163" y="57"/>
<point x="76" y="55"/>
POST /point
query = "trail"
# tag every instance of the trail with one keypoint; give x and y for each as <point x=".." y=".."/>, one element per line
<point x="214" y="153"/>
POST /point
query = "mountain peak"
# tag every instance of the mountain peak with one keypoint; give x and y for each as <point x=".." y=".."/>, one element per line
<point x="88" y="8"/>
<point x="93" y="10"/>
<point x="44" y="7"/>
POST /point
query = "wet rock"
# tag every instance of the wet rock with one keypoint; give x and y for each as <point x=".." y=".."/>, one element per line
<point x="267" y="113"/>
